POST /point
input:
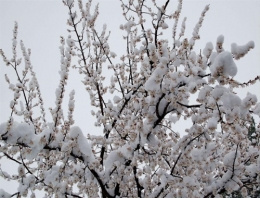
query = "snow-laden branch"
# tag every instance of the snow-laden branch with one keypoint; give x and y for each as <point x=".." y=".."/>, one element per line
<point x="152" y="88"/>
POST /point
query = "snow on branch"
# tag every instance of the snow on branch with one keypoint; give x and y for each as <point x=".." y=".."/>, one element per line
<point x="151" y="88"/>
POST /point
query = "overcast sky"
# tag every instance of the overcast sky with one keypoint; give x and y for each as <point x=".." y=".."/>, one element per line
<point x="42" y="22"/>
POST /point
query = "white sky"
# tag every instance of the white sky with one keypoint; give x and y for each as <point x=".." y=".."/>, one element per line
<point x="42" y="22"/>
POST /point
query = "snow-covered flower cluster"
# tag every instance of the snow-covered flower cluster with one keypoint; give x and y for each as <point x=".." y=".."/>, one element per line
<point x="141" y="153"/>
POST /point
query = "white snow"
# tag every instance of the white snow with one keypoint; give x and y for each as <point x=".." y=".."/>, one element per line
<point x="69" y="2"/>
<point x="82" y="144"/>
<point x="220" y="39"/>
<point x="218" y="91"/>
<point x="223" y="65"/>
<point x="116" y="99"/>
<point x="257" y="109"/>
<point x="128" y="26"/>
<point x="230" y="100"/>
<point x="219" y="44"/>
<point x="242" y="50"/>
<point x="212" y="123"/>
<point x="4" y="194"/>
<point x="208" y="49"/>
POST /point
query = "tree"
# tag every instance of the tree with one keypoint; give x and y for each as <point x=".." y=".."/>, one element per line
<point x="158" y="82"/>
<point x="250" y="191"/>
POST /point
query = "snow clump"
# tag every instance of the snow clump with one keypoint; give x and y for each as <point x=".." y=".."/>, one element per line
<point x="223" y="65"/>
<point x="240" y="51"/>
